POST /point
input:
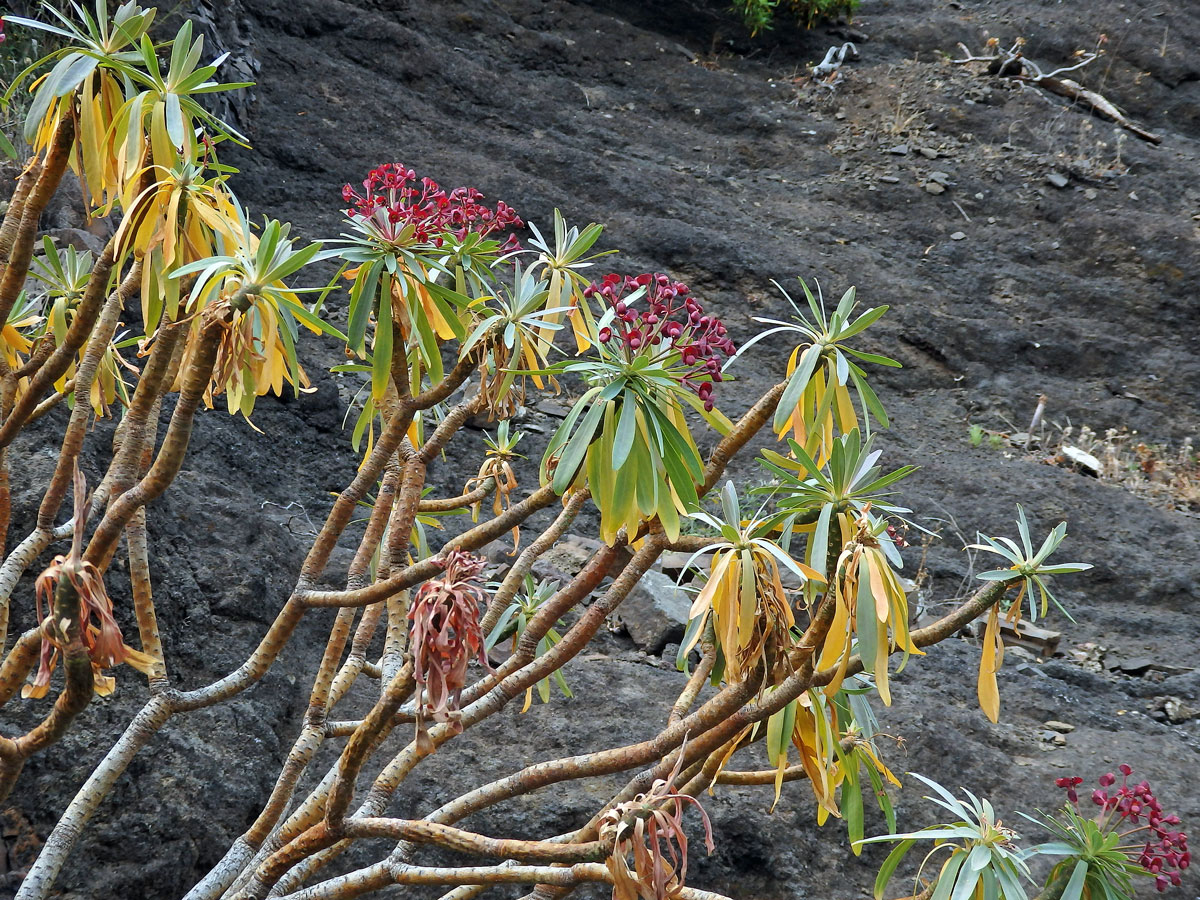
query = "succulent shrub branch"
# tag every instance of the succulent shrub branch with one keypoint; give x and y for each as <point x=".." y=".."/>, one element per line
<point x="799" y="607"/>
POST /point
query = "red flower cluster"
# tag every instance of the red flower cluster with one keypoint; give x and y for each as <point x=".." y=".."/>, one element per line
<point x="446" y="634"/>
<point x="898" y="539"/>
<point x="3" y="38"/>
<point x="1165" y="853"/>
<point x="392" y="200"/>
<point x="673" y="322"/>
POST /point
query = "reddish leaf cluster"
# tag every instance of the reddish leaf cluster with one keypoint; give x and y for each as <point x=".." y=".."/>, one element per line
<point x="672" y="323"/>
<point x="651" y="828"/>
<point x="393" y="200"/>
<point x="104" y="642"/>
<point x="1165" y="854"/>
<point x="102" y="639"/>
<point x="445" y="633"/>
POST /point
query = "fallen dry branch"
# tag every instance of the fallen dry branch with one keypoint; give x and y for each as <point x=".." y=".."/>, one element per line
<point x="1012" y="63"/>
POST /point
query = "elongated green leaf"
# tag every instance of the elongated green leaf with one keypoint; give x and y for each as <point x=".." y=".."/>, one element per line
<point x="868" y="399"/>
<point x="874" y="358"/>
<point x="362" y="300"/>
<point x="788" y="401"/>
<point x="308" y="318"/>
<point x="851" y="805"/>
<point x="867" y="319"/>
<point x="968" y="876"/>
<point x="948" y="877"/>
<point x="819" y="543"/>
<point x="174" y="118"/>
<point x="1009" y="883"/>
<point x="1074" y="888"/>
<point x="381" y="364"/>
<point x="626" y="430"/>
<point x="573" y="453"/>
<point x="888" y="869"/>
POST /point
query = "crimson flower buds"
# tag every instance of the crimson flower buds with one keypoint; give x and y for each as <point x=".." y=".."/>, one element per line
<point x="672" y="324"/>
<point x="1164" y="853"/>
<point x="393" y="200"/>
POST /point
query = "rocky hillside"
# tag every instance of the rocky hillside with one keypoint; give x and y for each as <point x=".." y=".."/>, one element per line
<point x="1025" y="248"/>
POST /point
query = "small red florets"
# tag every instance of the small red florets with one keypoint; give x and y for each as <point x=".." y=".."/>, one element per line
<point x="672" y="322"/>
<point x="393" y="200"/>
<point x="1165" y="854"/>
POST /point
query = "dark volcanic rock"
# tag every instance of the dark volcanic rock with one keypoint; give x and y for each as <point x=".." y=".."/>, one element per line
<point x="656" y="612"/>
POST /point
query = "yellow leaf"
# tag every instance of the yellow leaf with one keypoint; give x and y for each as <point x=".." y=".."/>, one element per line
<point x="837" y="638"/>
<point x="878" y="591"/>
<point x="704" y="600"/>
<point x="847" y="420"/>
<point x="727" y="752"/>
<point x="990" y="661"/>
<point x="881" y="663"/>
<point x="884" y="770"/>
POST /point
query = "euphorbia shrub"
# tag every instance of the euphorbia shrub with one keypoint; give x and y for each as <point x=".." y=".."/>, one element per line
<point x="449" y="318"/>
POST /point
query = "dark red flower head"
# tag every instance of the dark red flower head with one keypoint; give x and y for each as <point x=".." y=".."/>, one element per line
<point x="394" y="200"/>
<point x="1134" y="809"/>
<point x="653" y="314"/>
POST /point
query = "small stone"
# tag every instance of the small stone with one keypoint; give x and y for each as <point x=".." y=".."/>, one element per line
<point x="1024" y="760"/>
<point x="889" y="179"/>
<point x="552" y="408"/>
<point x="1060" y="727"/>
<point x="78" y="238"/>
<point x="1058" y="180"/>
<point x="932" y="187"/>
<point x="1137" y="666"/>
<point x="929" y="153"/>
<point x="1058" y="740"/>
<point x="957" y="236"/>
<point x="979" y="195"/>
<point x="485" y="421"/>
<point x="1016" y="655"/>
<point x="684" y="567"/>
<point x="1179" y="712"/>
<point x="1091" y="193"/>
<point x="898" y="150"/>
